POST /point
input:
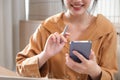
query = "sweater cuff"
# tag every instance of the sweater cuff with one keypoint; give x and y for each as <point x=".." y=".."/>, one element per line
<point x="30" y="67"/>
<point x="106" y="75"/>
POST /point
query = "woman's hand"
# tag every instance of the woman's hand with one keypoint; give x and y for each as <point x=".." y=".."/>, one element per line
<point x="54" y="44"/>
<point x="89" y="67"/>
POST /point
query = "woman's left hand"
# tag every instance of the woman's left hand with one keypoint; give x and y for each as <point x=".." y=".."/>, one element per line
<point x="89" y="67"/>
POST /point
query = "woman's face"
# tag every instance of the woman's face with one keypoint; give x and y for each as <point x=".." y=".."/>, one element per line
<point x="77" y="7"/>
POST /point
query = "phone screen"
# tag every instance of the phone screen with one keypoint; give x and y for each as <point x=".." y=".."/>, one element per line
<point x="83" y="47"/>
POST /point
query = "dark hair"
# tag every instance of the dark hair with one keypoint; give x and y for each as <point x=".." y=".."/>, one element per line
<point x="93" y="6"/>
<point x="63" y="7"/>
<point x="62" y="2"/>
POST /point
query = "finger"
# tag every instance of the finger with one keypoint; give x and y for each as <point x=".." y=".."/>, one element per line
<point x="52" y="37"/>
<point x="69" y="61"/>
<point x="72" y="64"/>
<point x="57" y="37"/>
<point x="63" y="39"/>
<point x="92" y="56"/>
<point x="66" y="35"/>
<point x="81" y="57"/>
<point x="66" y="56"/>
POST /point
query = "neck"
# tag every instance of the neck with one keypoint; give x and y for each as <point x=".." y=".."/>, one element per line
<point x="77" y="19"/>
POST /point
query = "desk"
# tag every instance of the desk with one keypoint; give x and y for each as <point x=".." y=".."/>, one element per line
<point x="6" y="74"/>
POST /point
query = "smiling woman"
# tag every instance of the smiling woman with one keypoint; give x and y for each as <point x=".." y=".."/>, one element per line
<point x="47" y="53"/>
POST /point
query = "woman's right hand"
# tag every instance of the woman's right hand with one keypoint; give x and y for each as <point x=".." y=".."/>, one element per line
<point x="54" y="44"/>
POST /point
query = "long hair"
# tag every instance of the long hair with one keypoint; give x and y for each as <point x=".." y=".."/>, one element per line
<point x="93" y="6"/>
<point x="62" y="2"/>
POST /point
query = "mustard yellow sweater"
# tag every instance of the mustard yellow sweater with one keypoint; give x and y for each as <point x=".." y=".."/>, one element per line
<point x="101" y="33"/>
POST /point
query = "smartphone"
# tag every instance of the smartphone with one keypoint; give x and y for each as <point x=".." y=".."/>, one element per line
<point x="83" y="47"/>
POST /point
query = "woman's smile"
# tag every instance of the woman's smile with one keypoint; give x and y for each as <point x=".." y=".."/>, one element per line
<point x="77" y="6"/>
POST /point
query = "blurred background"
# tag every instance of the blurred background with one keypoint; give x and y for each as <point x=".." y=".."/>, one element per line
<point x="19" y="19"/>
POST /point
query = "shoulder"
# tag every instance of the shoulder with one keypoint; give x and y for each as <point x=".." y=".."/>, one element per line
<point x="52" y="23"/>
<point x="53" y="19"/>
<point x="104" y="25"/>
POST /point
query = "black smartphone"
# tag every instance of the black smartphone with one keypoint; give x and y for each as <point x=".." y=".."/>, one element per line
<point x="83" y="47"/>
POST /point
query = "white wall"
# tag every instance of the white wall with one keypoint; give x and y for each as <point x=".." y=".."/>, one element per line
<point x="1" y="35"/>
<point x="110" y="8"/>
<point x="18" y="14"/>
<point x="11" y="12"/>
<point x="41" y="9"/>
<point x="6" y="34"/>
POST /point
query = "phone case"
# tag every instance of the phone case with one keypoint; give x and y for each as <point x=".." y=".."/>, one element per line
<point x="83" y="47"/>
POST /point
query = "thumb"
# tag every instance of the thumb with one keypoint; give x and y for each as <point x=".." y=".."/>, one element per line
<point x="92" y="56"/>
<point x="66" y="35"/>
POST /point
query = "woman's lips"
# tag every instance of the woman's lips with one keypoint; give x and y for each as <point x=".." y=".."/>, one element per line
<point x="77" y="7"/>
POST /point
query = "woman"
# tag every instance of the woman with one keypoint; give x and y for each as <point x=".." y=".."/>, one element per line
<point x="47" y="53"/>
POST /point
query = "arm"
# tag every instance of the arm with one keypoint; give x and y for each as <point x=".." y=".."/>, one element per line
<point x="107" y="65"/>
<point x="108" y="60"/>
<point x="37" y="55"/>
<point x="27" y="61"/>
